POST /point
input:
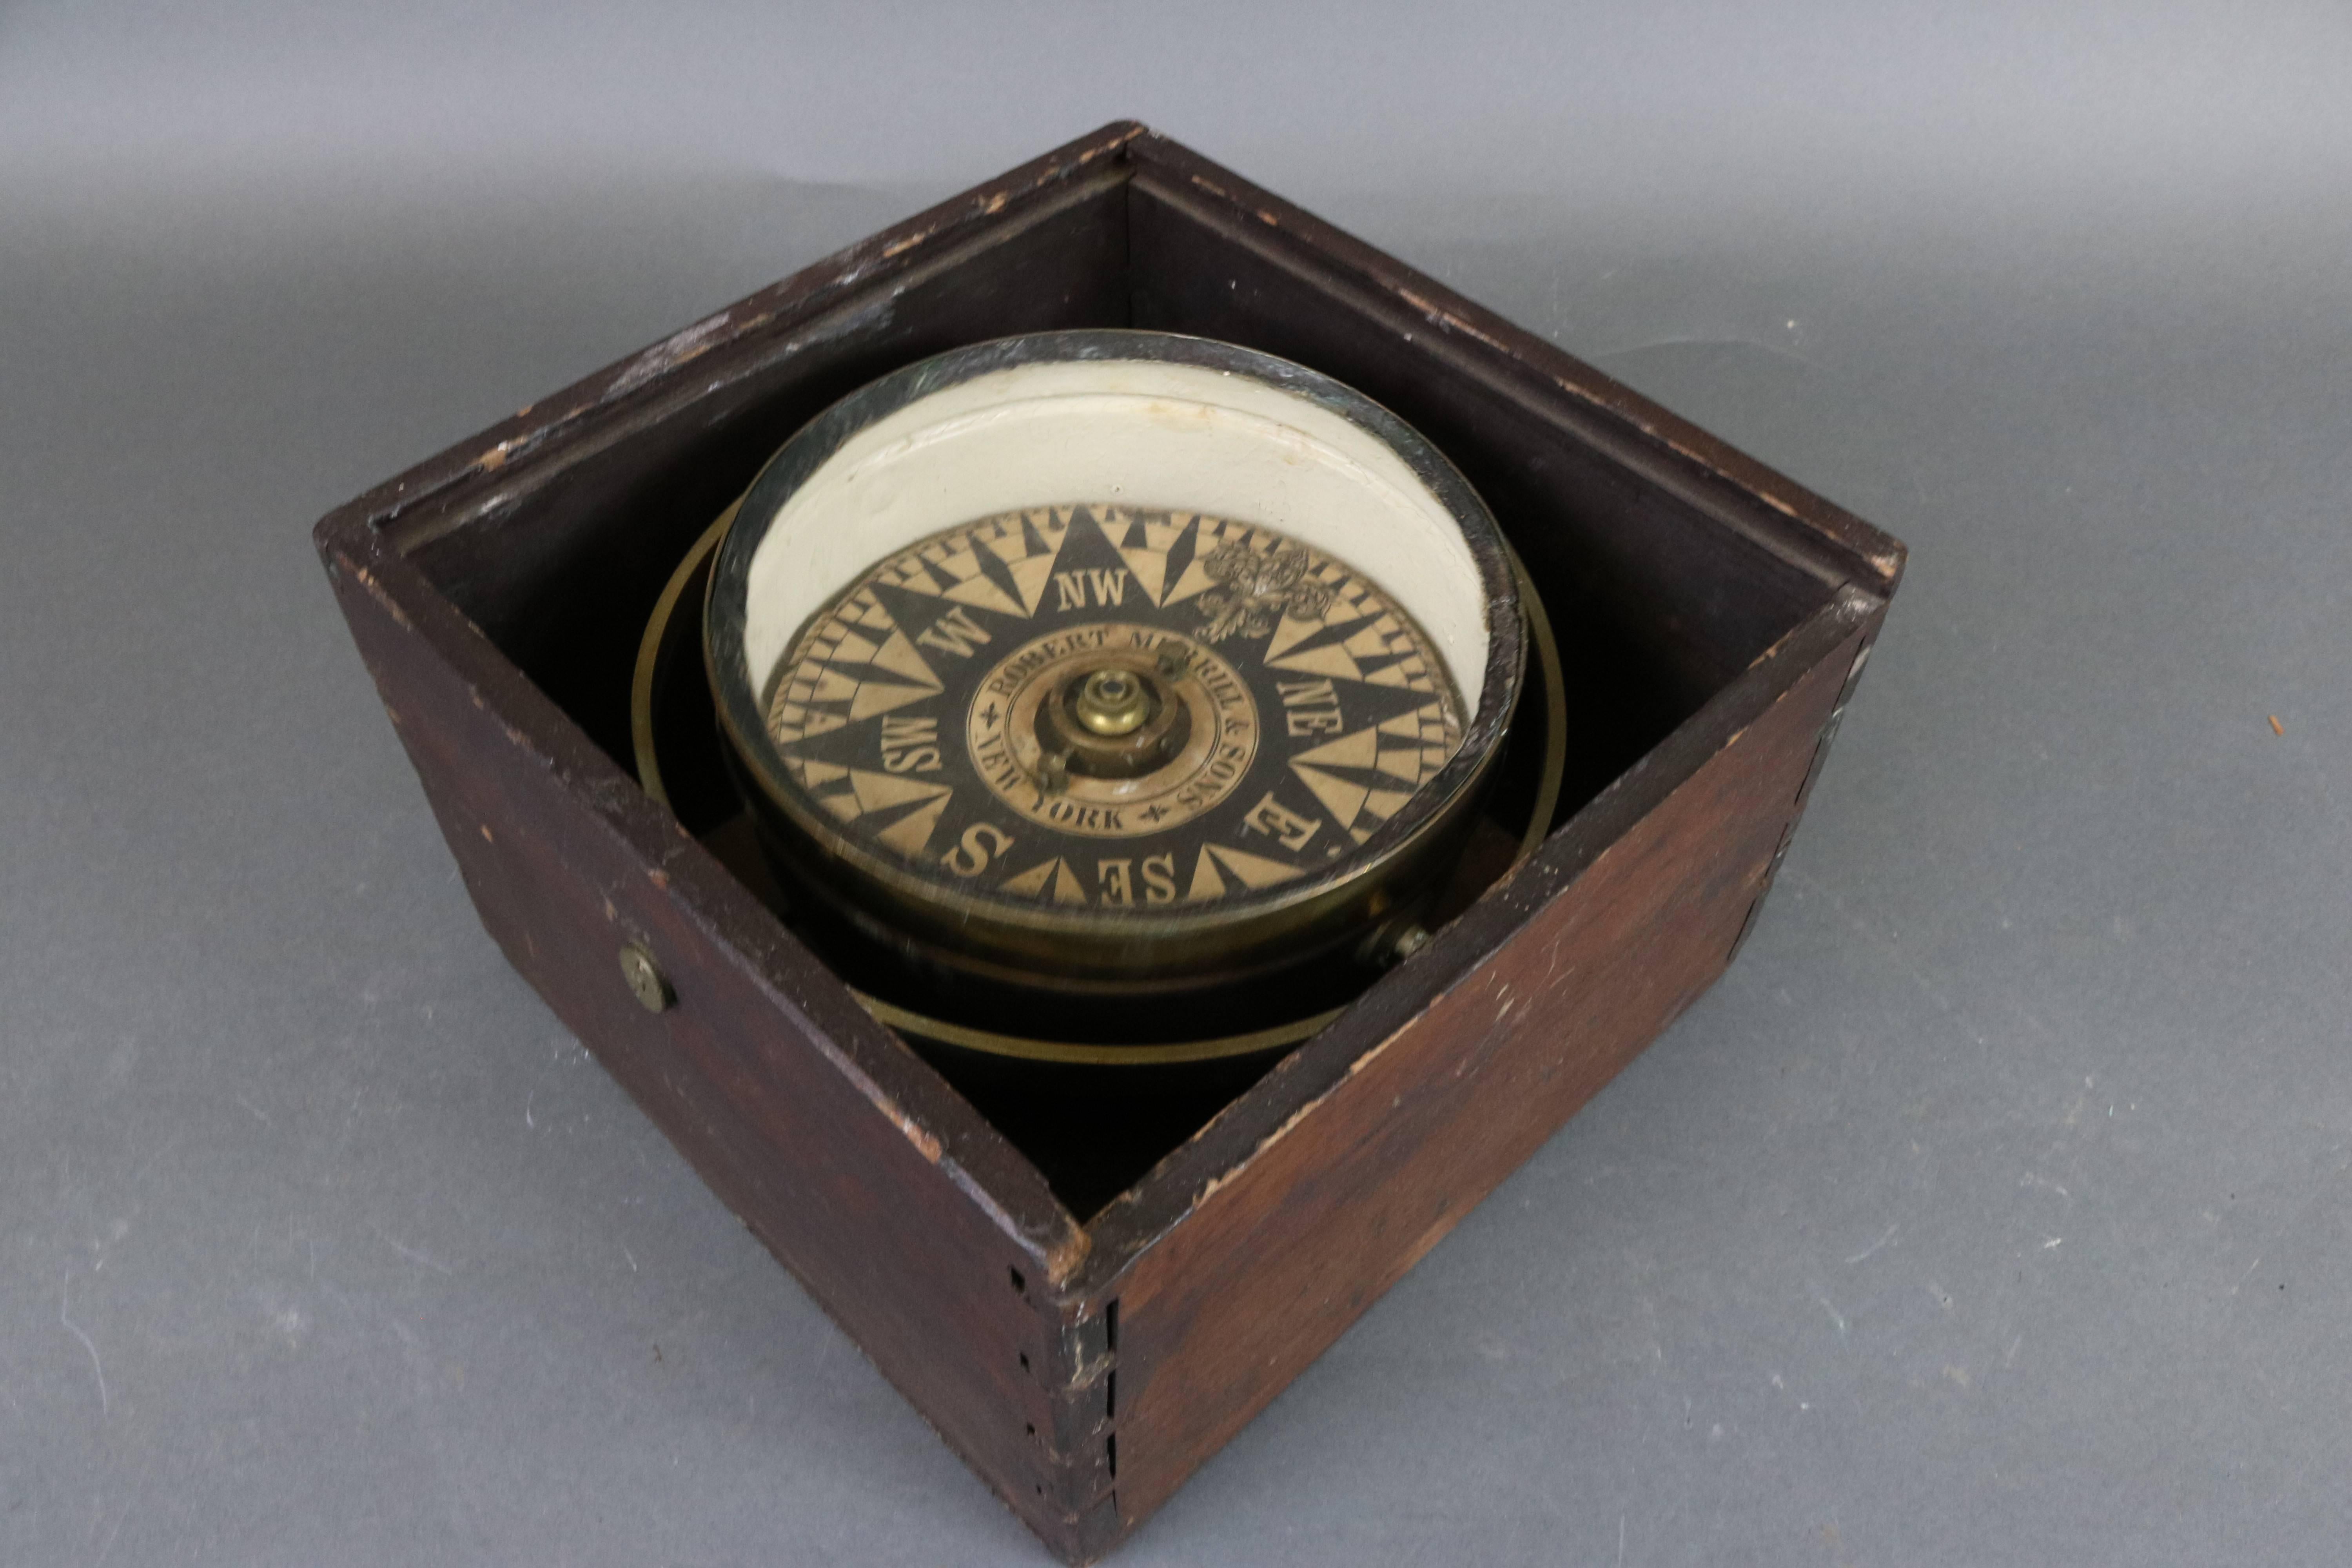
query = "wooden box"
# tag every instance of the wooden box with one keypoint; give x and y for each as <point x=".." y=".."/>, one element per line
<point x="1713" y="616"/>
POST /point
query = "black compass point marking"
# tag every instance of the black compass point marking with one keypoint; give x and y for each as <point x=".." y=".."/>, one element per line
<point x="1361" y="704"/>
<point x="1091" y="579"/>
<point x="858" y="736"/>
<point x="950" y="633"/>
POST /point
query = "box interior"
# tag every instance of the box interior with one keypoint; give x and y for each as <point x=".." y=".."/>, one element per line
<point x="1656" y="602"/>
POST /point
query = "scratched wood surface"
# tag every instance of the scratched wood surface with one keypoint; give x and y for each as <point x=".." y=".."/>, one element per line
<point x="1422" y="1105"/>
<point x="852" y="1184"/>
<point x="1716" y="611"/>
<point x="904" y="1212"/>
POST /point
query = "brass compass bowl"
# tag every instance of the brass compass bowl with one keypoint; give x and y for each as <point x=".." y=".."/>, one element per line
<point x="1112" y="681"/>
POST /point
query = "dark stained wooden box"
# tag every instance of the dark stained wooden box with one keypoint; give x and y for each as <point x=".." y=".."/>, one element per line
<point x="1713" y="616"/>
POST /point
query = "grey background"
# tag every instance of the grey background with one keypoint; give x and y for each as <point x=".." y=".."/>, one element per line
<point x="1996" y="1207"/>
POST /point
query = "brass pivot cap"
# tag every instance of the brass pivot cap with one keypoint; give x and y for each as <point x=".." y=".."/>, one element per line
<point x="1112" y="701"/>
<point x="1113" y="721"/>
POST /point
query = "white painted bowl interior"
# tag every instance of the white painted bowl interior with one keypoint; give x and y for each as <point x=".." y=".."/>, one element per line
<point x="1138" y="433"/>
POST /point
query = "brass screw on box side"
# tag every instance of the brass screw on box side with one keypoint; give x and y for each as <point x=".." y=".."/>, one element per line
<point x="647" y="982"/>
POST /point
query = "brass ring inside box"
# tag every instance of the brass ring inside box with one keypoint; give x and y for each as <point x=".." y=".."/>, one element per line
<point x="657" y="644"/>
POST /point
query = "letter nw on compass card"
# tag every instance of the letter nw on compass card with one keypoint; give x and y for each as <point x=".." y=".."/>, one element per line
<point x="1101" y="916"/>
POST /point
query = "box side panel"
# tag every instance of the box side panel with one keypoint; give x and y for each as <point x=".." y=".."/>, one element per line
<point x="1656" y="602"/>
<point x="1223" y="1311"/>
<point x="1771" y="509"/>
<point x="580" y="539"/>
<point x="989" y="208"/>
<point x="848" y="1189"/>
<point x="1872" y="626"/>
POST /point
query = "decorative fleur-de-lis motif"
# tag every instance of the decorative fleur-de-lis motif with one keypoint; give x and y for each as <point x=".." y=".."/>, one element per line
<point x="1254" y="587"/>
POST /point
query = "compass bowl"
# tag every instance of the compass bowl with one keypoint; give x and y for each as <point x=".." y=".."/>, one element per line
<point x="1092" y="667"/>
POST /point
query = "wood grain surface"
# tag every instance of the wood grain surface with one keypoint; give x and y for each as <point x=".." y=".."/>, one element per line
<point x="1414" y="1119"/>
